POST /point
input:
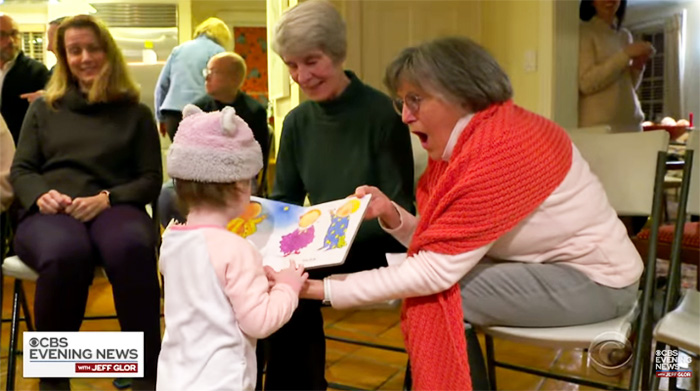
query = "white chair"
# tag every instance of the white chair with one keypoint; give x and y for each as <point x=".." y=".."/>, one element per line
<point x="13" y="267"/>
<point x="631" y="168"/>
<point x="680" y="327"/>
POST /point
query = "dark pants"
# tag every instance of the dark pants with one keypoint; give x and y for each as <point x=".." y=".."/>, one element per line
<point x="302" y="338"/>
<point x="64" y="252"/>
<point x="172" y="121"/>
<point x="304" y="335"/>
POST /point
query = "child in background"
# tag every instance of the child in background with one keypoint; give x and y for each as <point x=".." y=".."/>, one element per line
<point x="218" y="301"/>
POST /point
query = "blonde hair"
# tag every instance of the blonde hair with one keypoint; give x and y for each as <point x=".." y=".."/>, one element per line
<point x="216" y="30"/>
<point x="311" y="25"/>
<point x="114" y="82"/>
<point x="235" y="64"/>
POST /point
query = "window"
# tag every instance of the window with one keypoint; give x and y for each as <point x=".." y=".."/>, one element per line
<point x="33" y="44"/>
<point x="651" y="90"/>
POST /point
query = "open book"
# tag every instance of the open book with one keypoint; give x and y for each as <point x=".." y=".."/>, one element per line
<point x="314" y="236"/>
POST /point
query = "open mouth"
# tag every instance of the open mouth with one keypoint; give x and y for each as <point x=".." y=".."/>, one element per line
<point x="422" y="136"/>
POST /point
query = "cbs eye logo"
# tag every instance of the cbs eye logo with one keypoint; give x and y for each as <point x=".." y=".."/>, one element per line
<point x="48" y="342"/>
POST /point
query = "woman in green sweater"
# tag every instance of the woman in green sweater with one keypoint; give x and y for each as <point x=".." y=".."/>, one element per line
<point x="347" y="134"/>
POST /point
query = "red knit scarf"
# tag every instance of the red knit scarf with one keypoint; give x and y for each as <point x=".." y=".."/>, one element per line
<point x="507" y="161"/>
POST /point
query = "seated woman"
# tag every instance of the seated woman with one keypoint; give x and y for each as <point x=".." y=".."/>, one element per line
<point x="511" y="217"/>
<point x="87" y="162"/>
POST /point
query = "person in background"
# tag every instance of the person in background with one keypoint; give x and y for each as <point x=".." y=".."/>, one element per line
<point x="225" y="75"/>
<point x="87" y="163"/>
<point x="50" y="38"/>
<point x="346" y="134"/>
<point x="610" y="68"/>
<point x="182" y="80"/>
<point x="509" y="214"/>
<point x="218" y="301"/>
<point x="7" y="153"/>
<point x="19" y="74"/>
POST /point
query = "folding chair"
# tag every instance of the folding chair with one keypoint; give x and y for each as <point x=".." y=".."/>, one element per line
<point x="13" y="267"/>
<point x="680" y="328"/>
<point x="631" y="168"/>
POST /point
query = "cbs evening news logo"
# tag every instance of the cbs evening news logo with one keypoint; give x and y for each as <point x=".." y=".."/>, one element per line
<point x="672" y="363"/>
<point x="83" y="354"/>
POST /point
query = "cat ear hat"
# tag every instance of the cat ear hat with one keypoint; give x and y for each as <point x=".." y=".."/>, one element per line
<point x="216" y="147"/>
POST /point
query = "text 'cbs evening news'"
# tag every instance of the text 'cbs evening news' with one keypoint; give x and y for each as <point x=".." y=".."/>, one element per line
<point x="672" y="363"/>
<point x="83" y="354"/>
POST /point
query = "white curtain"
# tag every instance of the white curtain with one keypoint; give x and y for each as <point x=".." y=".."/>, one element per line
<point x="674" y="62"/>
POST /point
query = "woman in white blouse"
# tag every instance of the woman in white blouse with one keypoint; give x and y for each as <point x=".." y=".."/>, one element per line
<point x="610" y="67"/>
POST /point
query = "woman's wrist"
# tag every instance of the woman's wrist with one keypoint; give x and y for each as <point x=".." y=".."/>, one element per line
<point x="312" y="289"/>
<point x="106" y="194"/>
<point x="391" y="219"/>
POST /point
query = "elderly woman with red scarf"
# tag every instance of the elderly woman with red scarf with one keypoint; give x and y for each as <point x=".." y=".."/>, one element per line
<point x="513" y="227"/>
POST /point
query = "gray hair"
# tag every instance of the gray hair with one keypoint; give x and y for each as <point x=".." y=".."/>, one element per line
<point x="457" y="68"/>
<point x="311" y="25"/>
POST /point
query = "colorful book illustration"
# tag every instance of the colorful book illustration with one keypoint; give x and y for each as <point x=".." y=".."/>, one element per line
<point x="314" y="236"/>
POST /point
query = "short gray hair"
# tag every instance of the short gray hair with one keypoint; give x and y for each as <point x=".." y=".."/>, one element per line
<point x="311" y="25"/>
<point x="455" y="67"/>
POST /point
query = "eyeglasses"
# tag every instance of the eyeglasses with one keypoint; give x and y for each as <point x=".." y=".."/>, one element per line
<point x="411" y="101"/>
<point x="9" y="34"/>
<point x="206" y="72"/>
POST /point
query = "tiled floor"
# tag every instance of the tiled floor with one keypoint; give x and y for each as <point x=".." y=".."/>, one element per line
<point x="351" y="365"/>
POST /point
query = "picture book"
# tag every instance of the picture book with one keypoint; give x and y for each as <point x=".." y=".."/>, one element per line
<point x="314" y="236"/>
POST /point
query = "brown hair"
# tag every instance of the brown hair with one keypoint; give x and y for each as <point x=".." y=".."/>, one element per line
<point x="114" y="83"/>
<point x="197" y="194"/>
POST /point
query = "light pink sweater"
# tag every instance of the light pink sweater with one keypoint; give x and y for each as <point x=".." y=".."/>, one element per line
<point x="217" y="304"/>
<point x="575" y="225"/>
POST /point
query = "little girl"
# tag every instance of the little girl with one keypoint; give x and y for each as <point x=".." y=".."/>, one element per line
<point x="218" y="301"/>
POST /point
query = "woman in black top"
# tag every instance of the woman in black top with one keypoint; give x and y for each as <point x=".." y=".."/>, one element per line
<point x="87" y="163"/>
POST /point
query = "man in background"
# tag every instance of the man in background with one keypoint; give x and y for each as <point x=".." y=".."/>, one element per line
<point x="225" y="74"/>
<point x="19" y="75"/>
<point x="50" y="44"/>
<point x="224" y="77"/>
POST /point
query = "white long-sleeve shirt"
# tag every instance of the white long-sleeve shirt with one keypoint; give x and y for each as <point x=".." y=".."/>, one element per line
<point x="575" y="225"/>
<point x="607" y="83"/>
<point x="217" y="304"/>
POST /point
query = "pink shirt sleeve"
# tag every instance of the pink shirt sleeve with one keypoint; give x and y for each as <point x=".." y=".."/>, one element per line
<point x="260" y="311"/>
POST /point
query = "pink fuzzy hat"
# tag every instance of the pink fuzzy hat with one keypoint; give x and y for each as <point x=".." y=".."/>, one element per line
<point x="216" y="147"/>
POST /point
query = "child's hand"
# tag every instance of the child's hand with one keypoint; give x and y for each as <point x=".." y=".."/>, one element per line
<point x="294" y="276"/>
